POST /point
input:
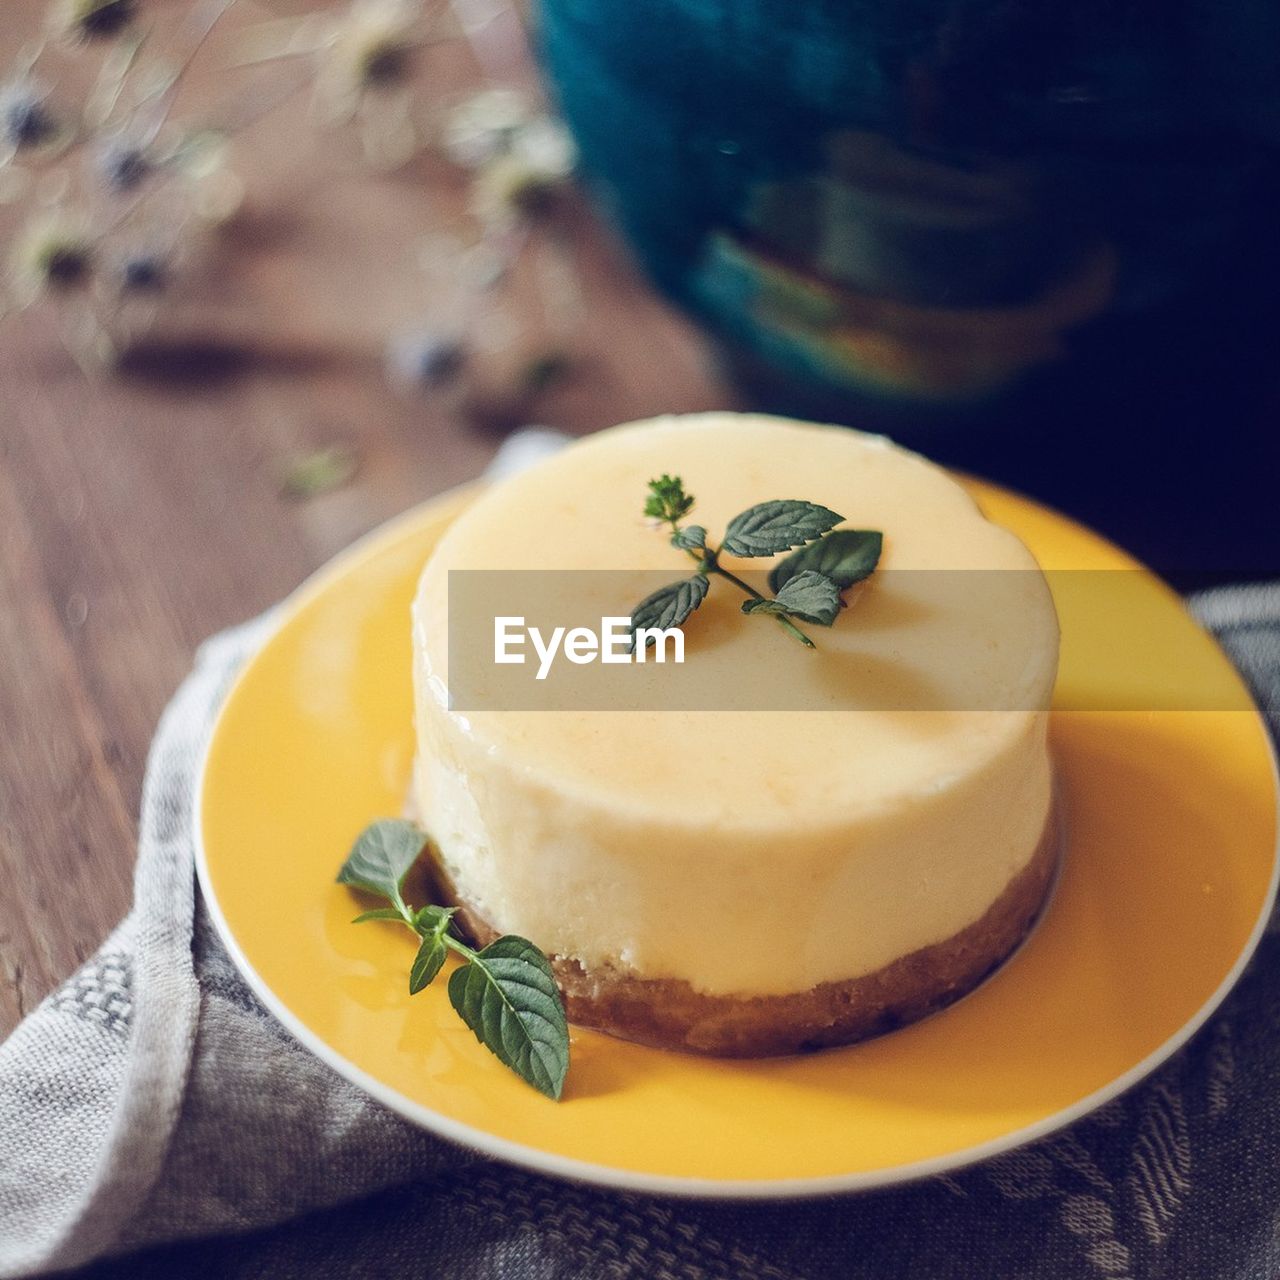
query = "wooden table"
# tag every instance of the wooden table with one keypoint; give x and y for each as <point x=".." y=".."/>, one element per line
<point x="140" y="512"/>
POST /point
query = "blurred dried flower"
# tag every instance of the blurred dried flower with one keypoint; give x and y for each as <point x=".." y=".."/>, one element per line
<point x="521" y="156"/>
<point x="54" y="254"/>
<point x="371" y="47"/>
<point x="499" y="122"/>
<point x="25" y="116"/>
<point x="218" y="197"/>
<point x="93" y="19"/>
<point x="123" y="163"/>
<point x="307" y="475"/>
<point x="425" y="360"/>
<point x="544" y="370"/>
<point x="359" y="59"/>
<point x="481" y="126"/>
<point x="144" y="271"/>
<point x="547" y="145"/>
<point x="512" y="187"/>
<point x="484" y="269"/>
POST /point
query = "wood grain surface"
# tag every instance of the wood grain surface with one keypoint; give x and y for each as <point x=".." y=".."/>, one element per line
<point x="141" y="511"/>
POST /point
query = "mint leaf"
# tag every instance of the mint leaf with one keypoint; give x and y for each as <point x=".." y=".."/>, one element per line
<point x="669" y="606"/>
<point x="427" y="919"/>
<point x="770" y="527"/>
<point x="845" y="556"/>
<point x="691" y="538"/>
<point x="381" y="857"/>
<point x="382" y="913"/>
<point x="433" y="924"/>
<point x="809" y="596"/>
<point x="427" y="962"/>
<point x="826" y="563"/>
<point x="667" y="499"/>
<point x="507" y="995"/>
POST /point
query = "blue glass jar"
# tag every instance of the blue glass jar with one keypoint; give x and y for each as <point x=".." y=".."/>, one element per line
<point x="1012" y="232"/>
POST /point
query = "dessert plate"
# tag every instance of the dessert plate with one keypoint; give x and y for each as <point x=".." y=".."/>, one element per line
<point x="1169" y="791"/>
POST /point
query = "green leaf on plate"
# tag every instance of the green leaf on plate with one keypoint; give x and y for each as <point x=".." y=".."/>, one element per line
<point x="427" y="919"/>
<point x="770" y="527"/>
<point x="507" y="995"/>
<point x="381" y="913"/>
<point x="432" y="923"/>
<point x="845" y="556"/>
<point x="427" y="963"/>
<point x="381" y="857"/>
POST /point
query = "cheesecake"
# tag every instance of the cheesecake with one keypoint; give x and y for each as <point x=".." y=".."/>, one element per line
<point x="766" y="847"/>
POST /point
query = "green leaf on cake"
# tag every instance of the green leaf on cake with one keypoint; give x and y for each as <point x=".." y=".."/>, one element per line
<point x="692" y="537"/>
<point x="507" y="995"/>
<point x="809" y="596"/>
<point x="806" y="585"/>
<point x="667" y="500"/>
<point x="669" y="606"/>
<point x="770" y="527"/>
<point x="381" y="857"/>
<point x="845" y="556"/>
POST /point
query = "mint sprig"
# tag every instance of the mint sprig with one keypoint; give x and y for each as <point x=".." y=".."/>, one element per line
<point x="770" y="527"/>
<point x="507" y="995"/>
<point x="810" y="596"/>
<point x="669" y="606"/>
<point x="806" y="585"/>
<point x="505" y="992"/>
<point x="846" y="556"/>
<point x="380" y="859"/>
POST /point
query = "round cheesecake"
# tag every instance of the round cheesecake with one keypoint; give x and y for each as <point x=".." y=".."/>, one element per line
<point x="764" y="848"/>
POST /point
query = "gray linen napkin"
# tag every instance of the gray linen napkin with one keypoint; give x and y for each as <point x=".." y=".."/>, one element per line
<point x="155" y="1121"/>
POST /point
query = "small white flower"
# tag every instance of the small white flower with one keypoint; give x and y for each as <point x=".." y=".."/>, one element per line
<point x="92" y="19"/>
<point x="54" y="254"/>
<point x="370" y="48"/>
<point x="424" y="359"/>
<point x="514" y="187"/>
<point x="123" y="163"/>
<point x="499" y="122"/>
<point x="481" y="127"/>
<point x="26" y="120"/>
<point x="144" y="271"/>
<point x="545" y="144"/>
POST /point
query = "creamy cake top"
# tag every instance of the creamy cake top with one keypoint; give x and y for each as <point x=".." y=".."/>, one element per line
<point x="931" y="673"/>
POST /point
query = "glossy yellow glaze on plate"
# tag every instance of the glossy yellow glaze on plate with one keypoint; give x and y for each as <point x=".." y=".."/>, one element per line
<point x="1169" y="869"/>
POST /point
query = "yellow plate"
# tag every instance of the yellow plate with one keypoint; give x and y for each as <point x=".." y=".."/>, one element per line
<point x="1168" y="877"/>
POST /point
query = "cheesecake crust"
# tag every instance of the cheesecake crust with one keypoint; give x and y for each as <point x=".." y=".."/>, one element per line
<point x="670" y="1014"/>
